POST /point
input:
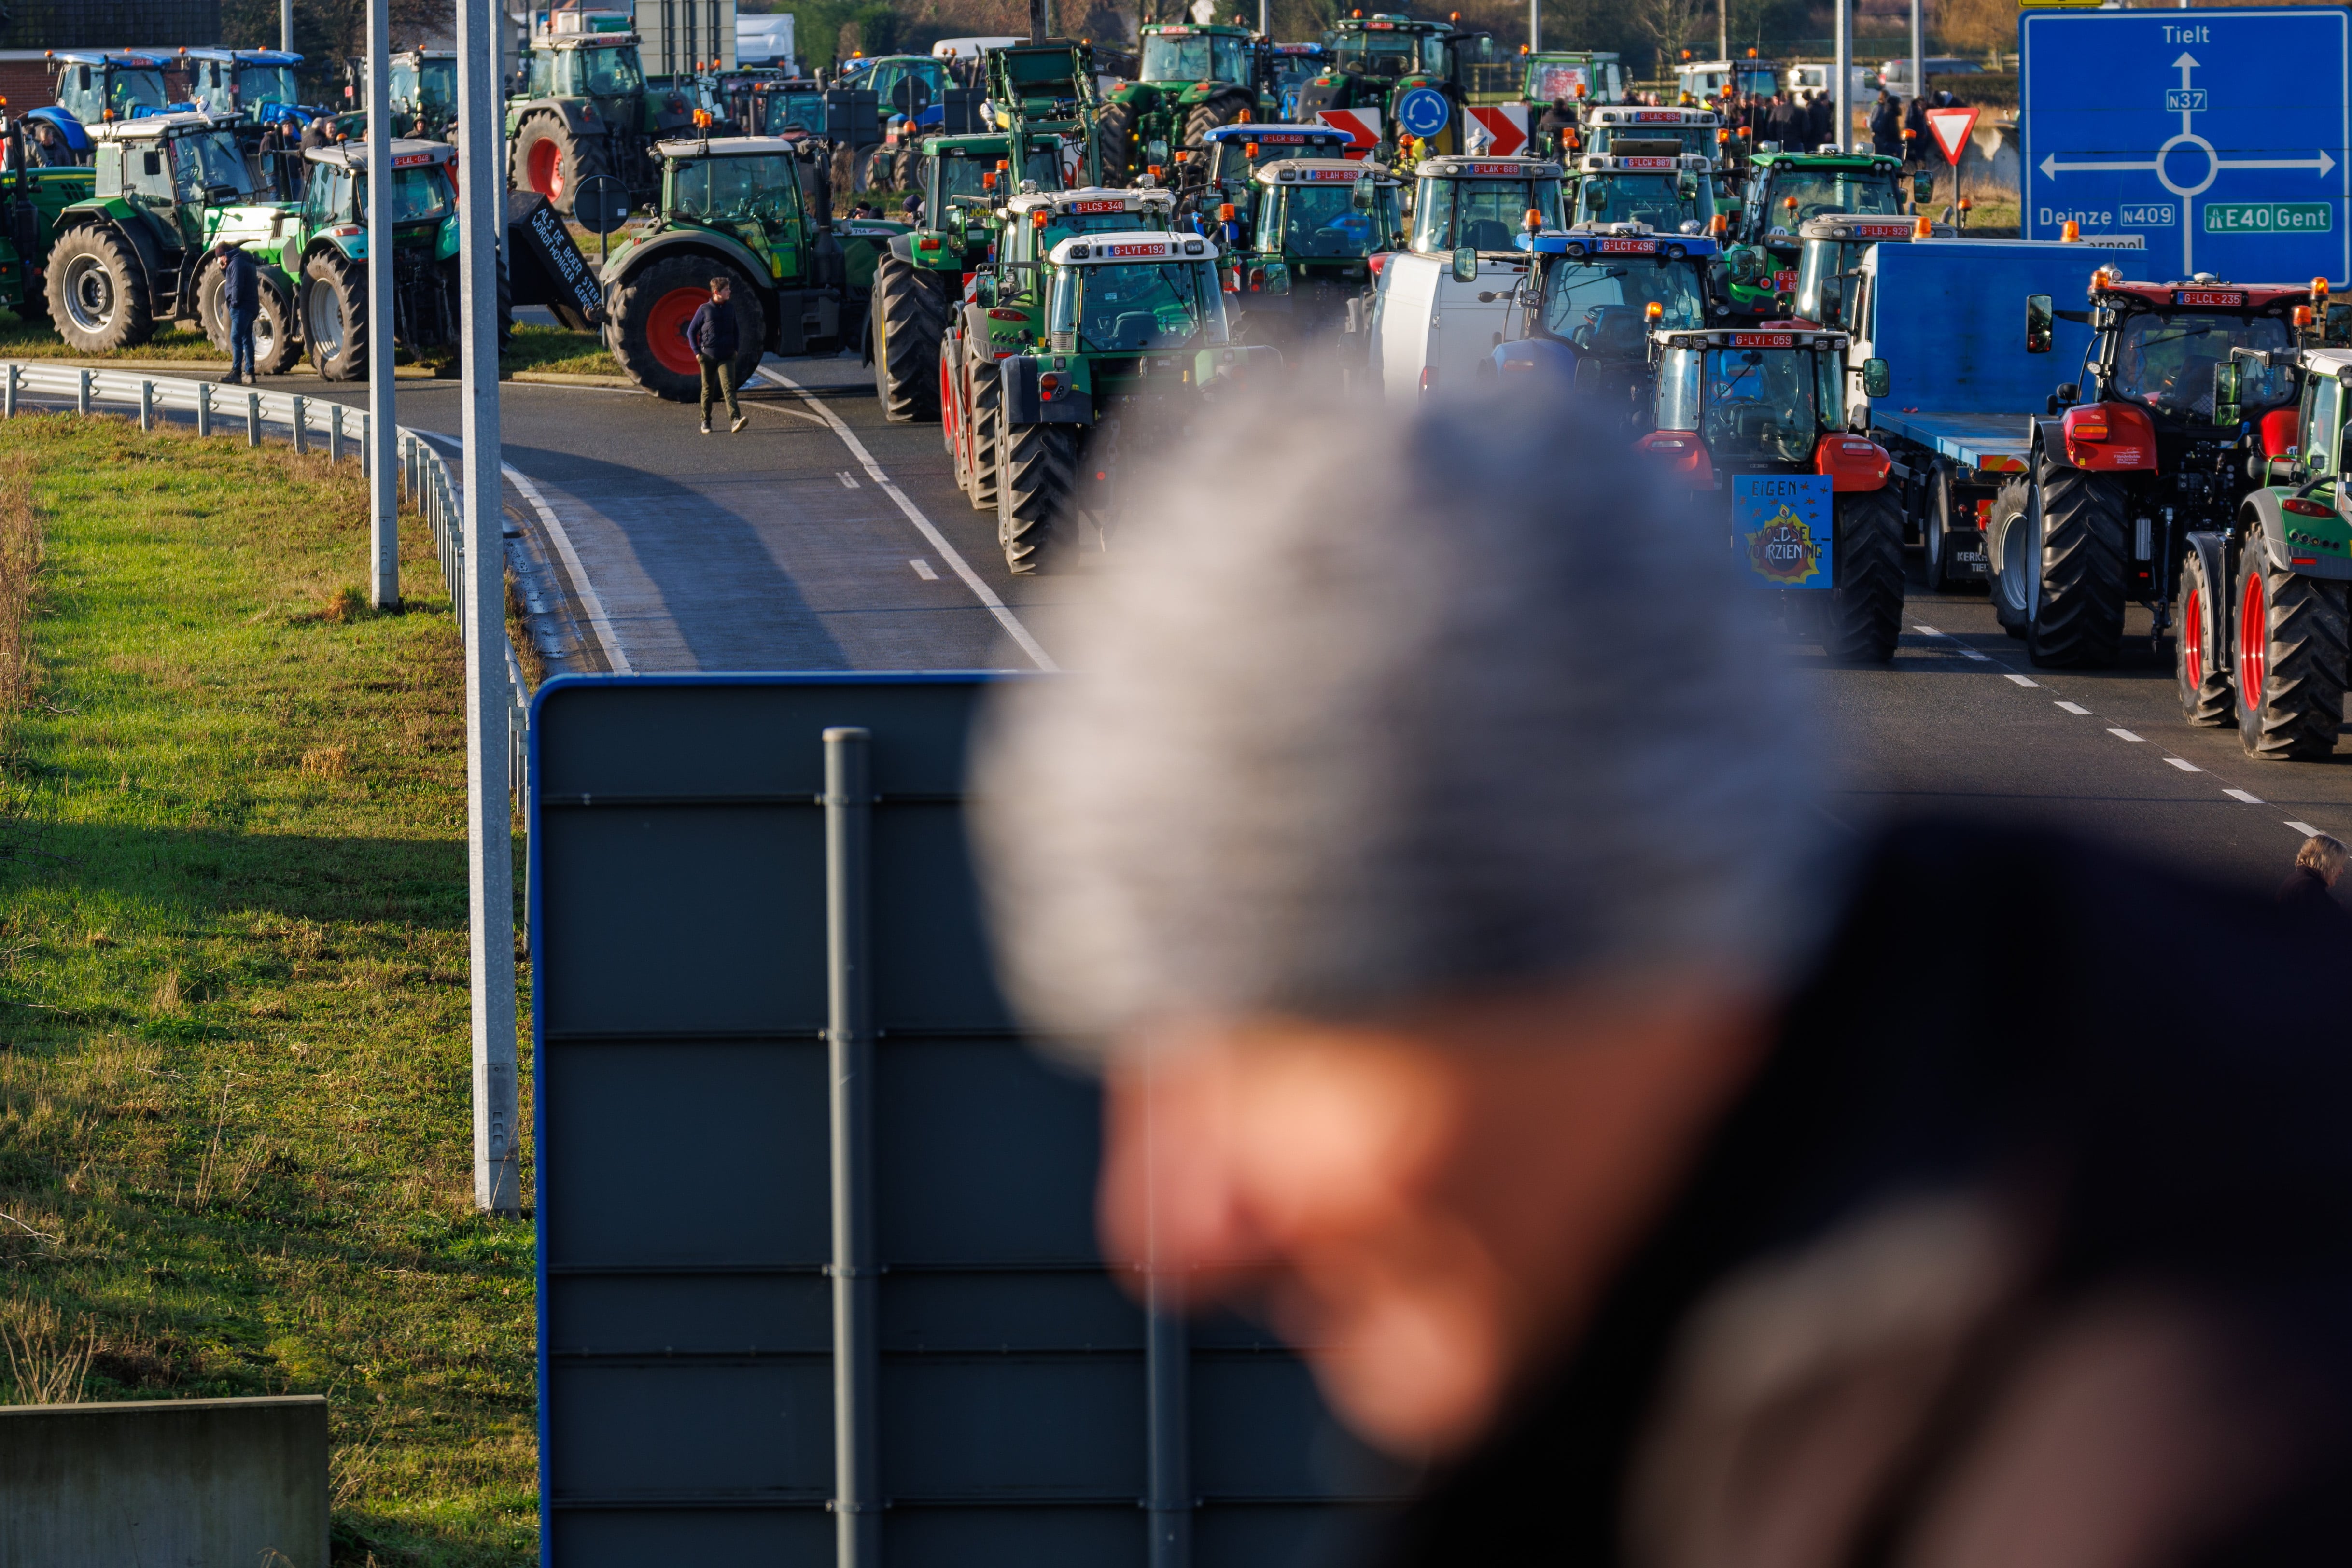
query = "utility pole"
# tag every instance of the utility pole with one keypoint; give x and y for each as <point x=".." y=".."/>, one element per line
<point x="1723" y="31"/>
<point x="383" y="433"/>
<point x="1038" y="22"/>
<point x="1535" y="25"/>
<point x="489" y="848"/>
<point x="1918" y="60"/>
<point x="286" y="26"/>
<point x="1845" y="73"/>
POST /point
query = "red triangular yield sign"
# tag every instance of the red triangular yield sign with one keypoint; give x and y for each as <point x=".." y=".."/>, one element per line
<point x="1951" y="127"/>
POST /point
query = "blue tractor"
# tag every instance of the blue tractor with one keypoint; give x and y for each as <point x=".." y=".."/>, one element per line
<point x="258" y="83"/>
<point x="94" y="86"/>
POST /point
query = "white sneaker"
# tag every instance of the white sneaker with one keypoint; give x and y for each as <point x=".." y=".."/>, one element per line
<point x="706" y="426"/>
<point x="740" y="420"/>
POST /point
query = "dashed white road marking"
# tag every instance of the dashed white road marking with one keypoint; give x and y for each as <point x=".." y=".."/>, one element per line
<point x="2184" y="765"/>
<point x="846" y="482"/>
<point x="2075" y="707"/>
<point x="2029" y="685"/>
<point x="923" y="569"/>
<point x="1925" y="630"/>
<point x="2124" y="735"/>
<point x="924" y="525"/>
<point x="2241" y="795"/>
<point x="2306" y="829"/>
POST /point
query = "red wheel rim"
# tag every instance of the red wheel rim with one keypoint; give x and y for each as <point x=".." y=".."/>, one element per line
<point x="2192" y="638"/>
<point x="2253" y="641"/>
<point x="666" y="329"/>
<point x="545" y="170"/>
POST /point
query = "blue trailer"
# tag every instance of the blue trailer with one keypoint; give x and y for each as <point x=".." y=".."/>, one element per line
<point x="1946" y="317"/>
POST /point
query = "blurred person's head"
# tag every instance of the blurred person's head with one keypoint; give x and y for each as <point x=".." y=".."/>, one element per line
<point x="1421" y="855"/>
<point x="2324" y="857"/>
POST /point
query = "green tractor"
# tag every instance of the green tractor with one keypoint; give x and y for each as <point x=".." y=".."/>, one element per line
<point x="756" y="210"/>
<point x="919" y="279"/>
<point x="138" y="249"/>
<point x="1195" y="78"/>
<point x="585" y="109"/>
<point x="1093" y="353"/>
<point x="1785" y="191"/>
<point x="1318" y="222"/>
<point x="31" y="200"/>
<point x="1410" y="74"/>
<point x="903" y="88"/>
<point x="425" y="94"/>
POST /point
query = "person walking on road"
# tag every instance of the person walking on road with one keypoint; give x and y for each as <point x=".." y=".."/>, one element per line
<point x="241" y="299"/>
<point x="712" y="333"/>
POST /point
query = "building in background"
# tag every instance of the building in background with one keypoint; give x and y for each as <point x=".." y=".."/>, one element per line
<point x="35" y="27"/>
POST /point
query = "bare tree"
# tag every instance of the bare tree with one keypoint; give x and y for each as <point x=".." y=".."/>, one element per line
<point x="1666" y="24"/>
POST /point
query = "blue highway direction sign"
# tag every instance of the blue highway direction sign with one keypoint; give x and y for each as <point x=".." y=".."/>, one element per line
<point x="2221" y="136"/>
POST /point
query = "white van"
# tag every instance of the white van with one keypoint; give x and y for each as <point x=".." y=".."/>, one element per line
<point x="1429" y="331"/>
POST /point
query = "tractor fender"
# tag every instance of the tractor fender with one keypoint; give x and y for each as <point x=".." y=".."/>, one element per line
<point x="2050" y="441"/>
<point x="2212" y="551"/>
<point x="77" y="138"/>
<point x="703" y="242"/>
<point x="2318" y="549"/>
<point x="1023" y="406"/>
<point x="902" y="246"/>
<point x="352" y="248"/>
<point x="572" y="111"/>
<point x="119" y="216"/>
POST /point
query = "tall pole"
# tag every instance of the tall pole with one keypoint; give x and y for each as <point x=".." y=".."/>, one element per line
<point x="1723" y="33"/>
<point x="1845" y="73"/>
<point x="286" y="26"/>
<point x="489" y="853"/>
<point x="384" y="438"/>
<point x="1037" y="21"/>
<point x="1918" y="60"/>
<point x="849" y="1062"/>
<point x="1535" y="25"/>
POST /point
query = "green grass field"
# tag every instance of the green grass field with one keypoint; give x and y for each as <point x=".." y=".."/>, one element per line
<point x="533" y="348"/>
<point x="234" y="1135"/>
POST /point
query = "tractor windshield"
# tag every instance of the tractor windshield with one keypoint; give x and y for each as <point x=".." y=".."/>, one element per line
<point x="425" y="83"/>
<point x="1129" y="307"/>
<point x="607" y="73"/>
<point x="2166" y="362"/>
<point x="1320" y="223"/>
<point x="1179" y="54"/>
<point x="129" y="89"/>
<point x="783" y="111"/>
<point x="258" y="85"/>
<point x="208" y="163"/>
<point x="1481" y="214"/>
<point x="735" y="190"/>
<point x="1548" y="81"/>
<point x="1868" y="193"/>
<point x="964" y="173"/>
<point x="418" y="195"/>
<point x="1604" y="308"/>
<point x="1384" y="54"/>
<point x="1664" y="202"/>
<point x="1822" y="268"/>
<point x="1757" y="405"/>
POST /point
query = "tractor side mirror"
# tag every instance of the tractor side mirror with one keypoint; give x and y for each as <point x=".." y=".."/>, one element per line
<point x="84" y="81"/>
<point x="1686" y="186"/>
<point x="1361" y="197"/>
<point x="1923" y="187"/>
<point x="2228" y="392"/>
<point x="2040" y="324"/>
<point x="1877" y="381"/>
<point x="1465" y="265"/>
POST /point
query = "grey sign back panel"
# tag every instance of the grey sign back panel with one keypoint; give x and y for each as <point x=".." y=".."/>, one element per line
<point x="686" y="1330"/>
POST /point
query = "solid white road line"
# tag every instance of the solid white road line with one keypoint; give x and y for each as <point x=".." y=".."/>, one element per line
<point x="2126" y="735"/>
<point x="598" y="620"/>
<point x="2306" y="829"/>
<point x="929" y="530"/>
<point x="923" y="569"/>
<point x="2241" y="795"/>
<point x="2185" y="765"/>
<point x="2075" y="707"/>
<point x="2031" y="685"/>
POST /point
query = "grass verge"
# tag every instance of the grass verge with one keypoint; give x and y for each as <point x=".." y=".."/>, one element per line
<point x="234" y="1134"/>
<point x="536" y="348"/>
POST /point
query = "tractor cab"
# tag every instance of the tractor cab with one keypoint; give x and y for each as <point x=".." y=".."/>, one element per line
<point x="1319" y="223"/>
<point x="259" y="83"/>
<point x="1757" y="400"/>
<point x="1184" y="52"/>
<point x="1035" y="222"/>
<point x="1585" y="312"/>
<point x="1292" y="67"/>
<point x="974" y="175"/>
<point x="1789" y="188"/>
<point x="94" y="87"/>
<point x="779" y="106"/>
<point x="1664" y="191"/>
<point x="1577" y="76"/>
<point x="1230" y="157"/>
<point x="425" y="92"/>
<point x="748" y="187"/>
<point x="1628" y="131"/>
<point x="1831" y="262"/>
<point x="173" y="171"/>
<point x="1479" y="204"/>
<point x="591" y="55"/>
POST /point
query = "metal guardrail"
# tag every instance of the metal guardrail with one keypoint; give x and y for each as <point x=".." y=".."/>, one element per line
<point x="307" y="422"/>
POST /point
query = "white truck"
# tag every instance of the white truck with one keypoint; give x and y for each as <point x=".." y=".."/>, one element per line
<point x="1430" y="328"/>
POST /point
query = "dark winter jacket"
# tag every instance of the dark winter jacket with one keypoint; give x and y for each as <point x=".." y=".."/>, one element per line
<point x="713" y="330"/>
<point x="1821" y="122"/>
<point x="1914" y="121"/>
<point x="2055" y="1268"/>
<point x="240" y="282"/>
<point x="1885" y="126"/>
<point x="315" y="134"/>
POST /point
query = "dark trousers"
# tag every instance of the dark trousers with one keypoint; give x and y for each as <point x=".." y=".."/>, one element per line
<point x="717" y="377"/>
<point x="240" y="341"/>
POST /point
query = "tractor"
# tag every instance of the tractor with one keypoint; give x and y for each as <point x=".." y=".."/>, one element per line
<point x="1317" y="223"/>
<point x="1583" y="314"/>
<point x="163" y="190"/>
<point x="1410" y="74"/>
<point x="257" y="83"/>
<point x="584" y="110"/>
<point x="1194" y="77"/>
<point x="1430" y="331"/>
<point x="776" y="105"/>
<point x="92" y="88"/>
<point x="904" y="86"/>
<point x="1223" y="170"/>
<point x="1786" y="189"/>
<point x="756" y="210"/>
<point x="1753" y="421"/>
<point x="967" y="182"/>
<point x="2266" y="602"/>
<point x="31" y="200"/>
<point x="2135" y="483"/>
<point x="1666" y="191"/>
<point x="425" y="94"/>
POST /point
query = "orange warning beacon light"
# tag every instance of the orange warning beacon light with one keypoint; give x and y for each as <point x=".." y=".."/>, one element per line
<point x="2072" y="233"/>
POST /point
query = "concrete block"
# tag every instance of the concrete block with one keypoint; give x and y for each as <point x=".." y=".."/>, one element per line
<point x="164" y="1483"/>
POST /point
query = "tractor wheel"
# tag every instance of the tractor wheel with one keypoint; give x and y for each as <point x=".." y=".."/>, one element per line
<point x="647" y="330"/>
<point x="1115" y="134"/>
<point x="1865" y="609"/>
<point x="909" y="314"/>
<point x="548" y="159"/>
<point x="2078" y="616"/>
<point x="2292" y="633"/>
<point x="2205" y="696"/>
<point x="906" y="168"/>
<point x="1038" y="471"/>
<point x="987" y="435"/>
<point x="873" y="168"/>
<point x="97" y="291"/>
<point x="1936" y="529"/>
<point x="2014" y="551"/>
<point x="1217" y="108"/>
<point x="334" y="316"/>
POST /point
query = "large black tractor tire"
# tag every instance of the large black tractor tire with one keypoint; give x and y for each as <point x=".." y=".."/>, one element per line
<point x="97" y="291"/>
<point x="1217" y="108"/>
<point x="2206" y="698"/>
<point x="2078" y="615"/>
<point x="907" y="167"/>
<point x="334" y="316"/>
<point x="647" y="331"/>
<point x="2013" y="555"/>
<point x="1864" y="617"/>
<point x="909" y="315"/>
<point x="1037" y="479"/>
<point x="277" y="340"/>
<point x="546" y="158"/>
<point x="2294" y="635"/>
<point x="987" y="416"/>
<point x="1114" y="135"/>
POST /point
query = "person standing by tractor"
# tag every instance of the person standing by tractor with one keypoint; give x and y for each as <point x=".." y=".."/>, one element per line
<point x="1885" y="126"/>
<point x="1553" y="128"/>
<point x="1915" y="133"/>
<point x="712" y="332"/>
<point x="241" y="300"/>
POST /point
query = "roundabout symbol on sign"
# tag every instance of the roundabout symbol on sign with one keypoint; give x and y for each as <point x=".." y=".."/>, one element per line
<point x="1423" y="112"/>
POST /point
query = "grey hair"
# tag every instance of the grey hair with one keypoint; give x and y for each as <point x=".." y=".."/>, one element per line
<point x="1413" y="705"/>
